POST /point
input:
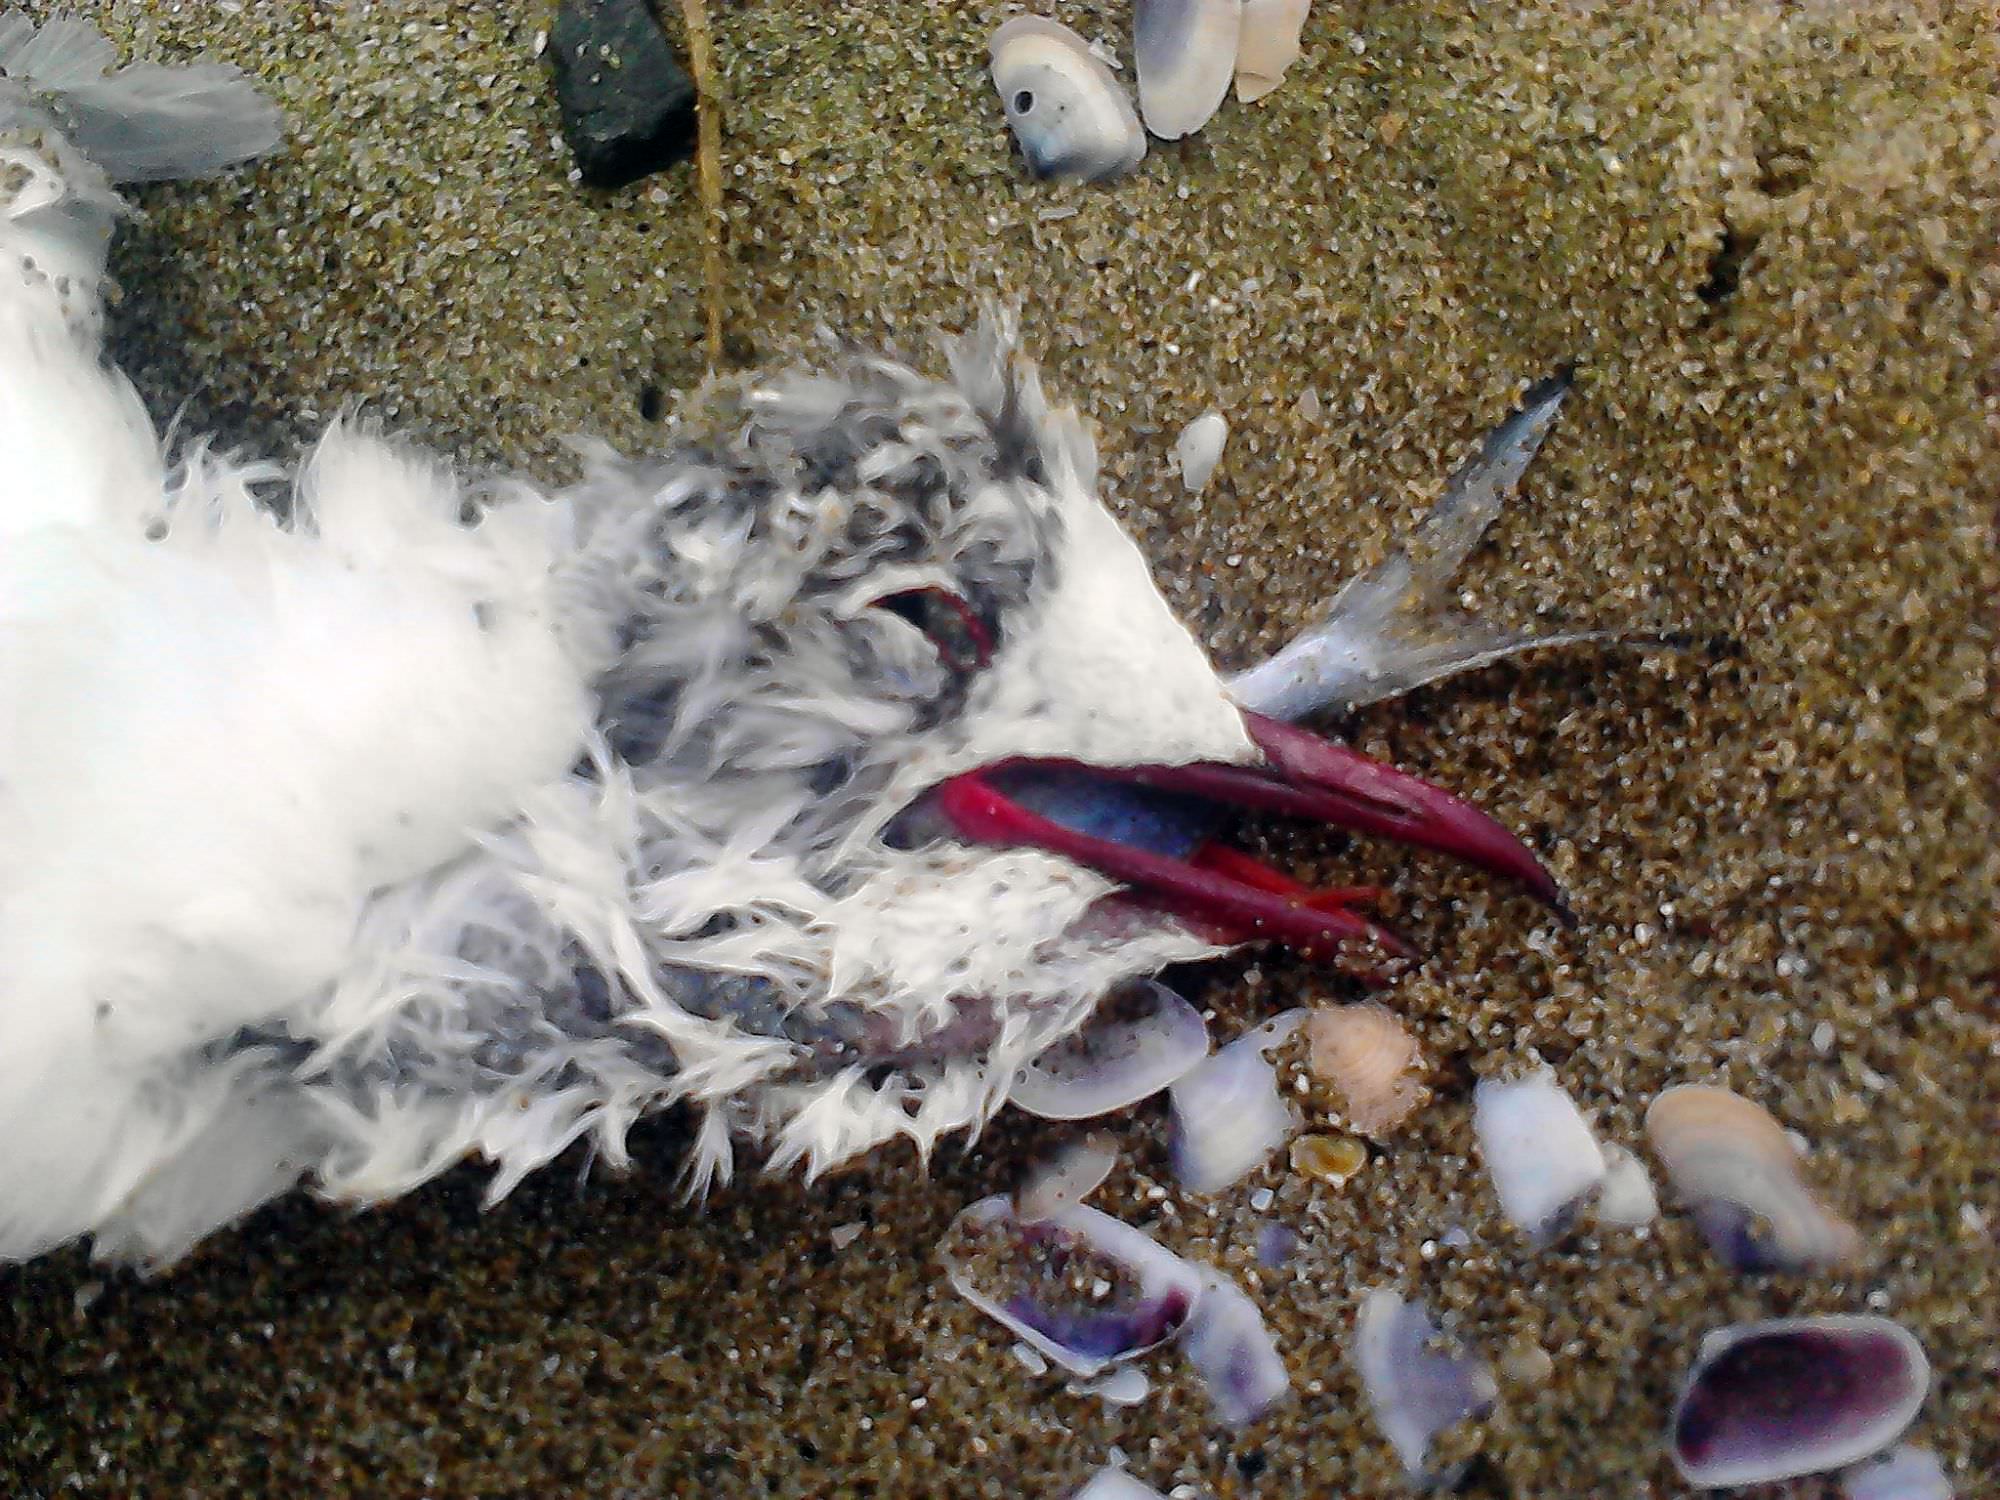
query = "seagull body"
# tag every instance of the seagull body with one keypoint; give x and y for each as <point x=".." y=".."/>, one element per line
<point x="817" y="772"/>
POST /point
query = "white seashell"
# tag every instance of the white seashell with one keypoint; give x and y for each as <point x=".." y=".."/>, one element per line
<point x="1227" y="1113"/>
<point x="1367" y="1054"/>
<point x="1233" y="1352"/>
<point x="1774" y="1400"/>
<point x="1077" y="1171"/>
<point x="1199" y="449"/>
<point x="1068" y="113"/>
<point x="1267" y="44"/>
<point x="1626" y="1200"/>
<point x="1538" y="1150"/>
<point x="1113" y="1483"/>
<point x="1033" y="1259"/>
<point x="1909" y="1473"/>
<point x="1125" y="1386"/>
<point x="1415" y="1390"/>
<point x="1740" y="1171"/>
<point x="1185" y="54"/>
<point x="1141" y="1039"/>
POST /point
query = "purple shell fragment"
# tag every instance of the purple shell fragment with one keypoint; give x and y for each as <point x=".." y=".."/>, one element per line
<point x="1769" y="1401"/>
<point x="1142" y="1039"/>
<point x="1233" y="1352"/>
<point x="1416" y="1389"/>
<point x="1081" y="1287"/>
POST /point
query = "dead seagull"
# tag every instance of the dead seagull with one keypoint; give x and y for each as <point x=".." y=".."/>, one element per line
<point x="818" y="772"/>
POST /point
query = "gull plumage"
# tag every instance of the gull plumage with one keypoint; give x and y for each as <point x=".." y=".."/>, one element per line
<point x="417" y="816"/>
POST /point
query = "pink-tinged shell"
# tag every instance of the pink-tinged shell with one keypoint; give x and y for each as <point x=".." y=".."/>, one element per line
<point x="1416" y="1388"/>
<point x="1369" y="1056"/>
<point x="1267" y="43"/>
<point x="1739" y="1171"/>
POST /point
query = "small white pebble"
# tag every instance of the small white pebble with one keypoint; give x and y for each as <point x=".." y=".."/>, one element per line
<point x="1823" y="1038"/>
<point x="1032" y="1359"/>
<point x="1262" y="1199"/>
<point x="843" y="1235"/>
<point x="1199" y="449"/>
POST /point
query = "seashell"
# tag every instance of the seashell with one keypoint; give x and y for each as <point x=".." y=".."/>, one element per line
<point x="1415" y="1389"/>
<point x="1909" y="1473"/>
<point x="1113" y="1483"/>
<point x="1141" y="1039"/>
<point x="1328" y="1158"/>
<point x="1185" y="54"/>
<point x="1739" y="1171"/>
<point x="1267" y="44"/>
<point x="1276" y="1244"/>
<point x="1769" y="1401"/>
<point x="1068" y="114"/>
<point x="1227" y="1113"/>
<point x="1126" y="1385"/>
<point x="1199" y="449"/>
<point x="1078" y="1286"/>
<point x="1233" y="1352"/>
<point x="1539" y="1151"/>
<point x="1626" y="1200"/>
<point x="1076" y="1172"/>
<point x="1367" y="1054"/>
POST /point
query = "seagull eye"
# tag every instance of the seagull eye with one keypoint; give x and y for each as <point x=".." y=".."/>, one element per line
<point x="964" y="641"/>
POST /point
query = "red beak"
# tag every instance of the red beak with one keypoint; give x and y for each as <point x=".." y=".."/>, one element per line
<point x="1160" y="853"/>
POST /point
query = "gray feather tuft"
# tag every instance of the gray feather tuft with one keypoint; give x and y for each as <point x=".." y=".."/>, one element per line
<point x="142" y="123"/>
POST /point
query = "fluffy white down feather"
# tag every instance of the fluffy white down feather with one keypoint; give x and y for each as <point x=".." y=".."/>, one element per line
<point x="195" y="803"/>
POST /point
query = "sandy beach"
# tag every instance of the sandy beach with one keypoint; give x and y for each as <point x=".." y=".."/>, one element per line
<point x="1765" y="235"/>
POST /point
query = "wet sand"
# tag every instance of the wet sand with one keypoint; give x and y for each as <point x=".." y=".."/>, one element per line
<point x="1765" y="234"/>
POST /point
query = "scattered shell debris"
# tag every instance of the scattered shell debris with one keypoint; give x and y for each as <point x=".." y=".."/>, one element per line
<point x="1140" y="1041"/>
<point x="1626" y="1199"/>
<point x="1328" y="1158"/>
<point x="1199" y="449"/>
<point x="1069" y="115"/>
<point x="1125" y="1386"/>
<point x="1113" y="1483"/>
<point x="1741" y="1174"/>
<point x="1075" y="1172"/>
<point x="1267" y="44"/>
<point x="1231" y="1349"/>
<point x="1775" y="1400"/>
<point x="1906" y="1473"/>
<point x="1184" y="52"/>
<point x="1538" y="1149"/>
<point x="1079" y="1286"/>
<point x="1417" y="1387"/>
<point x="1370" y="1058"/>
<point x="1228" y="1116"/>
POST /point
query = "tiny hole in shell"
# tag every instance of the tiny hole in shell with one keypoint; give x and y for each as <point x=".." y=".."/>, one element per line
<point x="1024" y="101"/>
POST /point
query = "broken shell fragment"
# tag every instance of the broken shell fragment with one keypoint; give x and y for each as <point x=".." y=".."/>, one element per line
<point x="1140" y="1040"/>
<point x="1627" y="1199"/>
<point x="1075" y="1172"/>
<point x="1078" y="1286"/>
<point x="1185" y="52"/>
<point x="1199" y="449"/>
<point x="1909" y="1473"/>
<point x="1538" y="1150"/>
<point x="1267" y="44"/>
<point x="1113" y="1483"/>
<point x="1069" y="115"/>
<point x="1740" y="1173"/>
<point x="1415" y="1388"/>
<point x="1774" y="1400"/>
<point x="1227" y="1113"/>
<point x="1369" y="1056"/>
<point x="1233" y="1352"/>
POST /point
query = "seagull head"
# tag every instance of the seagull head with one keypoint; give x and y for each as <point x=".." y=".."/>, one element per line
<point x="906" y="742"/>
